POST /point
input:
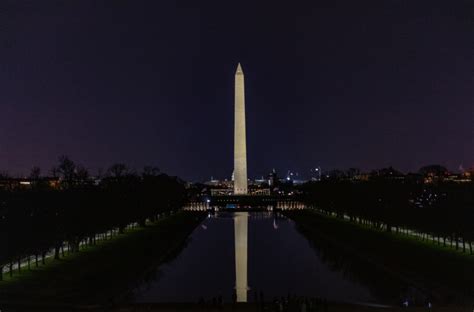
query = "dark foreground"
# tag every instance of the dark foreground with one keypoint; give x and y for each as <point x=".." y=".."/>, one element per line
<point x="101" y="274"/>
<point x="408" y="269"/>
<point x="229" y="307"/>
<point x="100" y="278"/>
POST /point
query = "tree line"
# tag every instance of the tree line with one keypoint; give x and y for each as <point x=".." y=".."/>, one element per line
<point x="42" y="218"/>
<point x="441" y="212"/>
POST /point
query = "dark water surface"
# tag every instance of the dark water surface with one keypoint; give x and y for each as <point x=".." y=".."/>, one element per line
<point x="272" y="256"/>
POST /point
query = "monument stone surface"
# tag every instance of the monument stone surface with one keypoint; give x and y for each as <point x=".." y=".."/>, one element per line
<point x="240" y="139"/>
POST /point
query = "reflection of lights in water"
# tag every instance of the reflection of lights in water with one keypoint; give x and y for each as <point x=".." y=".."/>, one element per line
<point x="240" y="239"/>
<point x="275" y="225"/>
<point x="204" y="226"/>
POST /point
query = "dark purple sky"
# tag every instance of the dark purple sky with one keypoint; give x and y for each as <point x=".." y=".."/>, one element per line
<point x="332" y="83"/>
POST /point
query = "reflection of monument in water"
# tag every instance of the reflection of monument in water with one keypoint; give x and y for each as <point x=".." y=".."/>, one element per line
<point x="240" y="240"/>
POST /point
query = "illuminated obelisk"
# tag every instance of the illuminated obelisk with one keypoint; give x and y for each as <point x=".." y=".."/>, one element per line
<point x="240" y="139"/>
<point x="240" y="240"/>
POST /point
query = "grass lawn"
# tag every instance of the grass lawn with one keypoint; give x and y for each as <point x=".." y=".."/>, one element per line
<point x="104" y="272"/>
<point x="401" y="260"/>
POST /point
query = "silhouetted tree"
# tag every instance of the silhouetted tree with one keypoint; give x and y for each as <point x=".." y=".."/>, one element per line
<point x="118" y="171"/>
<point x="82" y="176"/>
<point x="35" y="173"/>
<point x="440" y="212"/>
<point x="32" y="222"/>
<point x="67" y="171"/>
<point x="150" y="171"/>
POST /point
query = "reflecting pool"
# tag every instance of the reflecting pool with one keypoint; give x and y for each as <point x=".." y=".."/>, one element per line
<point x="239" y="255"/>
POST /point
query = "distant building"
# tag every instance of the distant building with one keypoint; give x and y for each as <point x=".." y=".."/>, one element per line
<point x="458" y="178"/>
<point x="434" y="173"/>
<point x="222" y="191"/>
<point x="219" y="183"/>
<point x="361" y="177"/>
<point x="273" y="179"/>
<point x="226" y="187"/>
<point x="389" y="173"/>
<point x="469" y="174"/>
<point x="14" y="184"/>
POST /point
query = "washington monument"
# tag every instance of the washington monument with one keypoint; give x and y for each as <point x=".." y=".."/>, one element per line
<point x="240" y="139"/>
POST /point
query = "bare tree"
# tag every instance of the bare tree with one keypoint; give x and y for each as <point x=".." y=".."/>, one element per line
<point x="118" y="170"/>
<point x="67" y="170"/>
<point x="150" y="171"/>
<point x="35" y="173"/>
<point x="82" y="175"/>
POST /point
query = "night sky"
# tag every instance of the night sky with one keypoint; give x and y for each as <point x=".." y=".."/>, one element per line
<point x="337" y="84"/>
